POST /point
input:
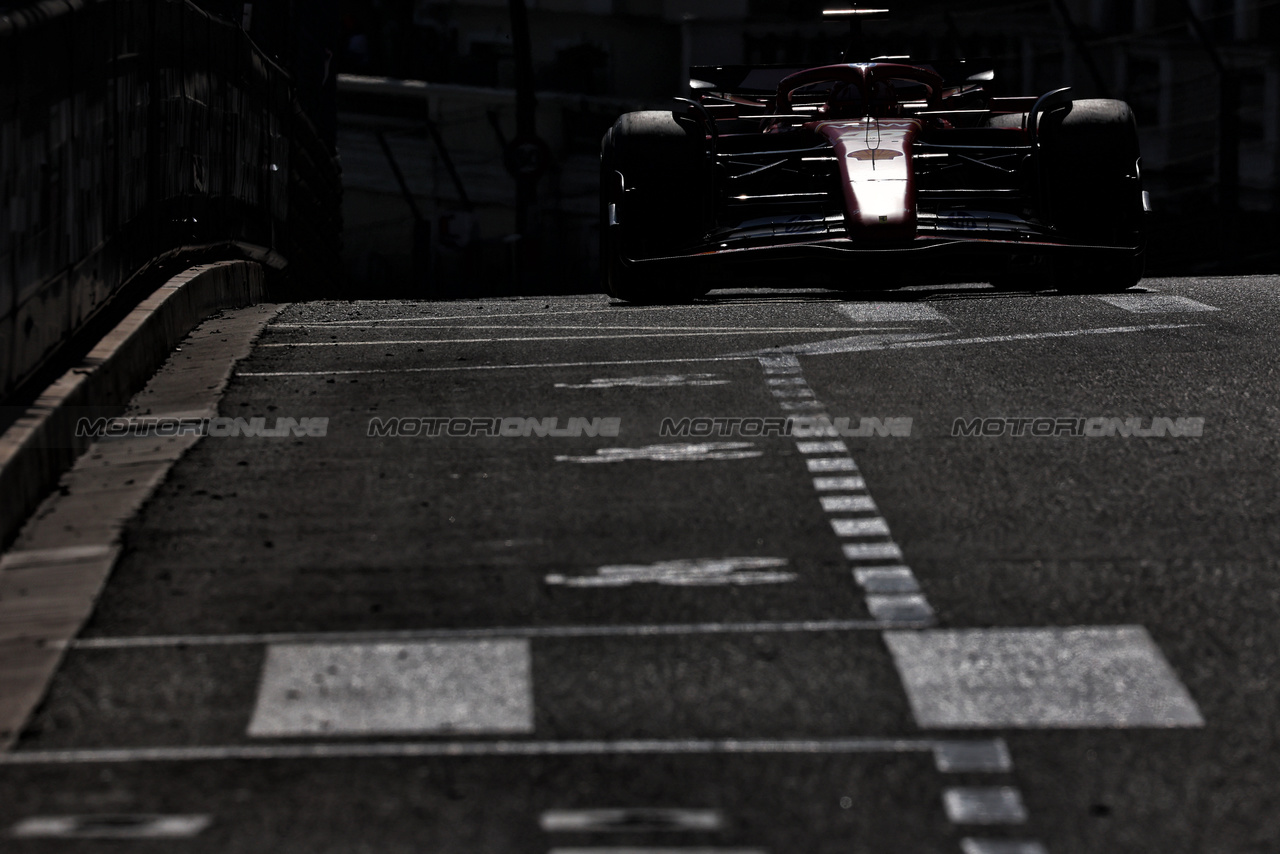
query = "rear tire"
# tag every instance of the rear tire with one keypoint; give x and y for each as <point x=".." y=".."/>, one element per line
<point x="662" y="210"/>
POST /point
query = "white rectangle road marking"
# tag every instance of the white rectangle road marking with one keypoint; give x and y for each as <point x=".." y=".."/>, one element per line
<point x="834" y="447"/>
<point x="967" y="757"/>
<point x="873" y="527"/>
<point x="984" y="805"/>
<point x="889" y="312"/>
<point x="111" y="826"/>
<point x="1154" y="303"/>
<point x="780" y="381"/>
<point x="820" y="464"/>
<point x="660" y="850"/>
<point x="847" y="503"/>
<point x="872" y="551"/>
<point x="801" y="405"/>
<point x="792" y="392"/>
<point x="644" y="819"/>
<point x="887" y="580"/>
<point x="1111" y="677"/>
<point x="836" y="484"/>
<point x="1001" y="846"/>
<point x="909" y="607"/>
<point x="473" y="686"/>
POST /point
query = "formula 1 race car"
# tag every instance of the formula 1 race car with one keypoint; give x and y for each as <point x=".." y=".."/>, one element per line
<point x="869" y="174"/>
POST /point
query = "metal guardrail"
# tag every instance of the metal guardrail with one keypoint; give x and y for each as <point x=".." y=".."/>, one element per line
<point x="128" y="129"/>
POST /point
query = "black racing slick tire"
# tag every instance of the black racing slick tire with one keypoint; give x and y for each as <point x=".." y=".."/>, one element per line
<point x="1088" y="187"/>
<point x="1090" y="173"/>
<point x="654" y="178"/>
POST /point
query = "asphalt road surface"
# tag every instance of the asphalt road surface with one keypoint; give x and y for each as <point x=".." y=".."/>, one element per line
<point x="937" y="570"/>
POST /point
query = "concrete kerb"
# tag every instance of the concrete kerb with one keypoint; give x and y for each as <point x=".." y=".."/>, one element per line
<point x="42" y="443"/>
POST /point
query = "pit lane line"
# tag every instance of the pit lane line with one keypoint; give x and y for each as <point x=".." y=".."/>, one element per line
<point x="844" y="347"/>
<point x="486" y="633"/>
<point x="950" y="755"/>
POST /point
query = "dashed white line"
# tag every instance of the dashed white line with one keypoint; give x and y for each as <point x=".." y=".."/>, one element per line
<point x="110" y="826"/>
<point x="847" y="503"/>
<point x="887" y="580"/>
<point x="824" y="464"/>
<point x="984" y="805"/>
<point x="835" y="484"/>
<point x="832" y="447"/>
<point x="872" y="551"/>
<point x="874" y="527"/>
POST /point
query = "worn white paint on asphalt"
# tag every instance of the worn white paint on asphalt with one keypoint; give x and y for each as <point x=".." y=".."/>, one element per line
<point x="831" y="447"/>
<point x="471" y="747"/>
<point x="631" y="849"/>
<point x="677" y="453"/>
<point x="872" y="527"/>
<point x="899" y="608"/>
<point x="824" y="464"/>
<point x="976" y="756"/>
<point x="984" y="805"/>
<point x="843" y="345"/>
<point x="887" y="580"/>
<point x="705" y="572"/>
<point x="1111" y="677"/>
<point x="872" y="551"/>
<point x="1155" y="303"/>
<point x="835" y="484"/>
<point x="412" y="635"/>
<point x="660" y="381"/>
<point x="847" y="503"/>
<point x="969" y="845"/>
<point x="890" y="312"/>
<point x="473" y="686"/>
<point x="631" y="820"/>
<point x="110" y="826"/>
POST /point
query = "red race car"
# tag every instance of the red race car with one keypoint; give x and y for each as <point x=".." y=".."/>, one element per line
<point x="869" y="174"/>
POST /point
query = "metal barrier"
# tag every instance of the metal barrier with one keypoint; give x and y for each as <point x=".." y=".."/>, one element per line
<point x="128" y="129"/>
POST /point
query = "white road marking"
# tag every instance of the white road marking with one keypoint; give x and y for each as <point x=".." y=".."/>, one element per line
<point x="821" y="464"/>
<point x="967" y="757"/>
<point x="900" y="608"/>
<point x="836" y="484"/>
<point x="770" y="367"/>
<point x="670" y="453"/>
<point x="1155" y="303"/>
<point x="784" y="381"/>
<point x="777" y="363"/>
<point x="1113" y="677"/>
<point x="633" y="328"/>
<point x="631" y="849"/>
<point x="872" y="551"/>
<point x="832" y="447"/>
<point x="847" y="503"/>
<point x="794" y="391"/>
<point x="707" y="572"/>
<point x="802" y="406"/>
<point x="874" y="527"/>
<point x="866" y="343"/>
<point x="469" y="747"/>
<point x="531" y="632"/>
<point x="630" y="820"/>
<point x="496" y="315"/>
<point x="662" y="381"/>
<point x="886" y="312"/>
<point x="612" y="336"/>
<point x="474" y="686"/>
<point x="887" y="580"/>
<point x="111" y="826"/>
<point x="984" y="805"/>
<point x="969" y="845"/>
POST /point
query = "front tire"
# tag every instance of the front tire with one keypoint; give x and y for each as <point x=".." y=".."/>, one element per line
<point x="653" y="182"/>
